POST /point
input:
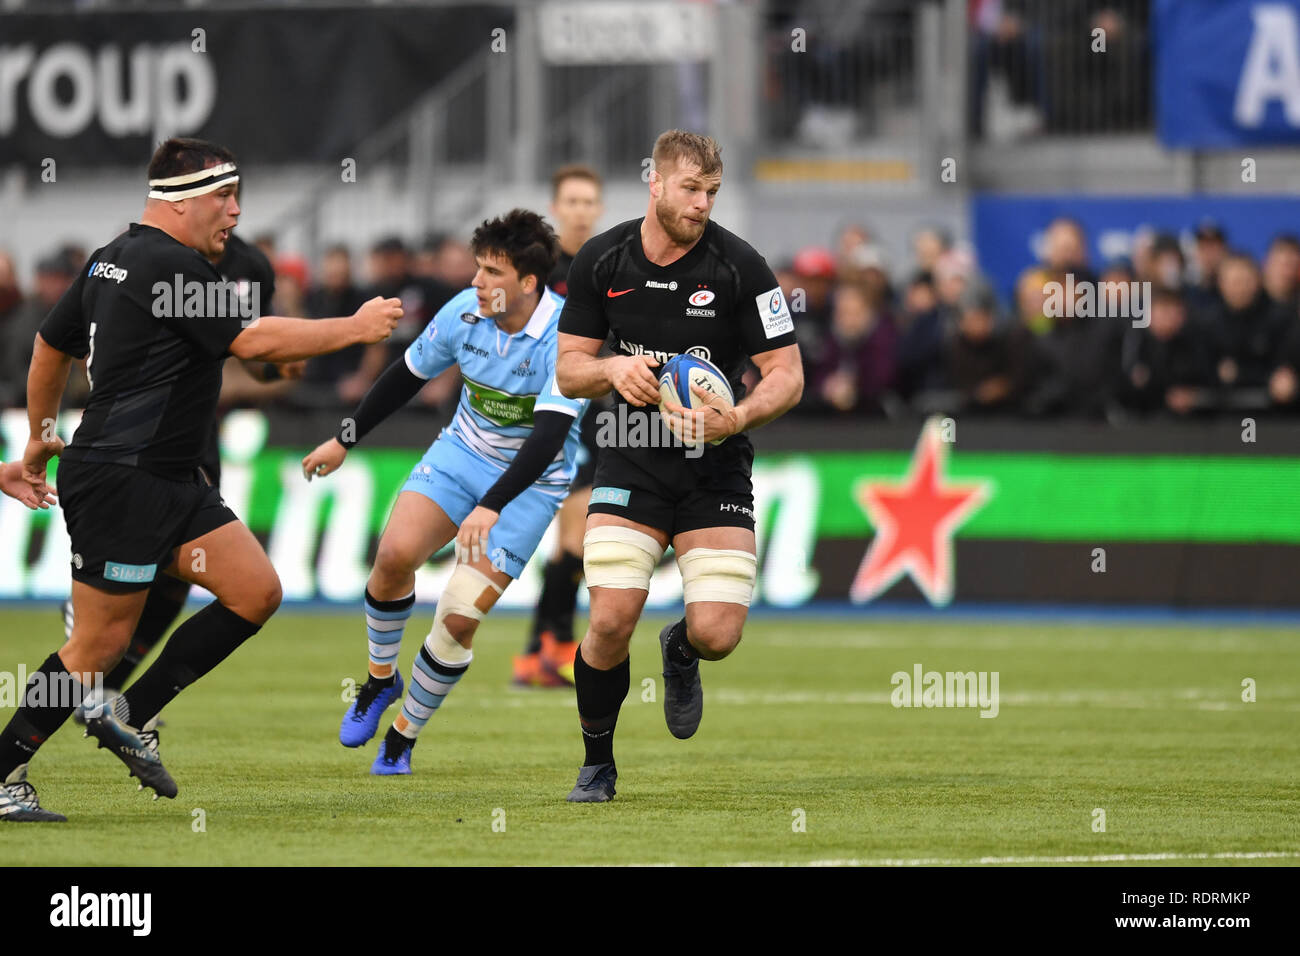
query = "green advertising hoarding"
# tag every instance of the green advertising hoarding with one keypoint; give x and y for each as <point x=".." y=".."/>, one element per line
<point x="934" y="522"/>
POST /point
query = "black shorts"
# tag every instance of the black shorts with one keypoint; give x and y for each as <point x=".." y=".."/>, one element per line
<point x="665" y="491"/>
<point x="125" y="523"/>
<point x="586" y="473"/>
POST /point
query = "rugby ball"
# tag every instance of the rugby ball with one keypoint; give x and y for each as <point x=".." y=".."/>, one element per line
<point x="685" y="370"/>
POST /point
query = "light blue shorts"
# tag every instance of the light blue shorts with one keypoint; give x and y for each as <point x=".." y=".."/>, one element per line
<point x="454" y="478"/>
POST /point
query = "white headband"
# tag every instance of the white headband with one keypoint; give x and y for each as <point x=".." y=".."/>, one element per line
<point x="207" y="180"/>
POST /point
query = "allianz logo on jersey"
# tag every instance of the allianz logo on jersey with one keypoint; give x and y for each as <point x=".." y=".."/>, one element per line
<point x="653" y="284"/>
<point x="636" y="348"/>
<point x="106" y="270"/>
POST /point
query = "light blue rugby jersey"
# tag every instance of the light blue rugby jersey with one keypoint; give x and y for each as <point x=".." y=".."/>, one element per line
<point x="507" y="379"/>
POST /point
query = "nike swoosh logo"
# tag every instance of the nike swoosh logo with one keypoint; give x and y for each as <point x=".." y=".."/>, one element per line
<point x="614" y="295"/>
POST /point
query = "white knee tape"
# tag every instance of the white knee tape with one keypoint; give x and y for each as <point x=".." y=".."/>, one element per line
<point x="712" y="574"/>
<point x="458" y="597"/>
<point x="616" y="557"/>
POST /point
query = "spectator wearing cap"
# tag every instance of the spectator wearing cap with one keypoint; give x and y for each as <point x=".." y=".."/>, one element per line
<point x="54" y="273"/>
<point x="815" y="269"/>
<point x="857" y="369"/>
<point x="1167" y="367"/>
<point x="988" y="365"/>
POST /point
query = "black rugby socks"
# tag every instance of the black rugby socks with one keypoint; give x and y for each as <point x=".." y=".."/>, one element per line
<point x="600" y="695"/>
<point x="199" y="645"/>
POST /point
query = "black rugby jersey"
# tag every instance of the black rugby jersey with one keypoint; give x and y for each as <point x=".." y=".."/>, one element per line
<point x="720" y="302"/>
<point x="155" y="371"/>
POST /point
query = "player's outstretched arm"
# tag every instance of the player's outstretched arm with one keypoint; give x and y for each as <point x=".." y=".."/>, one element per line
<point x="397" y="386"/>
<point x="579" y="373"/>
<point x="274" y="338"/>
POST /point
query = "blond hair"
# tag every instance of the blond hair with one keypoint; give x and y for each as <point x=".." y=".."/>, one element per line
<point x="677" y="146"/>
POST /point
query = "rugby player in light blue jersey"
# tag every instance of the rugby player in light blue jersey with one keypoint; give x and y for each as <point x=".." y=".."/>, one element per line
<point x="509" y="454"/>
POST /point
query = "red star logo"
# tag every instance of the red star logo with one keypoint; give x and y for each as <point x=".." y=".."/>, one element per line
<point x="915" y="521"/>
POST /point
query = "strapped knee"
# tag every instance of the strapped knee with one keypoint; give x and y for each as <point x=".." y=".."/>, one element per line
<point x="459" y="596"/>
<point x="716" y="574"/>
<point x="617" y="557"/>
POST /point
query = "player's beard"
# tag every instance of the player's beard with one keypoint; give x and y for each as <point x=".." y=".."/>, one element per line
<point x="681" y="232"/>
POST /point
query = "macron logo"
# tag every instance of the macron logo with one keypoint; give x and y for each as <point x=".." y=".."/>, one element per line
<point x="133" y="910"/>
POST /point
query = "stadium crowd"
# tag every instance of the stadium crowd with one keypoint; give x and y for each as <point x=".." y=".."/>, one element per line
<point x="1222" y="332"/>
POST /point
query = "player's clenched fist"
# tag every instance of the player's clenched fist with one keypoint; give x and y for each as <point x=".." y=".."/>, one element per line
<point x="631" y="376"/>
<point x="325" y="460"/>
<point x="377" y="318"/>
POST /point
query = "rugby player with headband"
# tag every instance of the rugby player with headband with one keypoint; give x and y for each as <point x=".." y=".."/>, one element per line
<point x="133" y="496"/>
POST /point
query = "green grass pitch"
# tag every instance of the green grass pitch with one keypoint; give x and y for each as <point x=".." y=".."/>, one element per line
<point x="1145" y="723"/>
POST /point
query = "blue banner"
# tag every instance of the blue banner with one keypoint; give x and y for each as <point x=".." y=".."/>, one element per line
<point x="1227" y="72"/>
<point x="1009" y="229"/>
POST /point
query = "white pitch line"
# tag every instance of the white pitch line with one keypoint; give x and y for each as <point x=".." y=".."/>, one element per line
<point x="1056" y="640"/>
<point x="1193" y="698"/>
<point x="1187" y="698"/>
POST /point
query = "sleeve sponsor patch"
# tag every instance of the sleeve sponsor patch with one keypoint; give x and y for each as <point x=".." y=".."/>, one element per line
<point x="774" y="313"/>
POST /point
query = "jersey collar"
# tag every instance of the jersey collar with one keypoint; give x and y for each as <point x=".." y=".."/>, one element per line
<point x="541" y="316"/>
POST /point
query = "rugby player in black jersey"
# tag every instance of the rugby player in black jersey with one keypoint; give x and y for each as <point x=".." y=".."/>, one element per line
<point x="672" y="282"/>
<point x="547" y="660"/>
<point x="249" y="268"/>
<point x="151" y="316"/>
